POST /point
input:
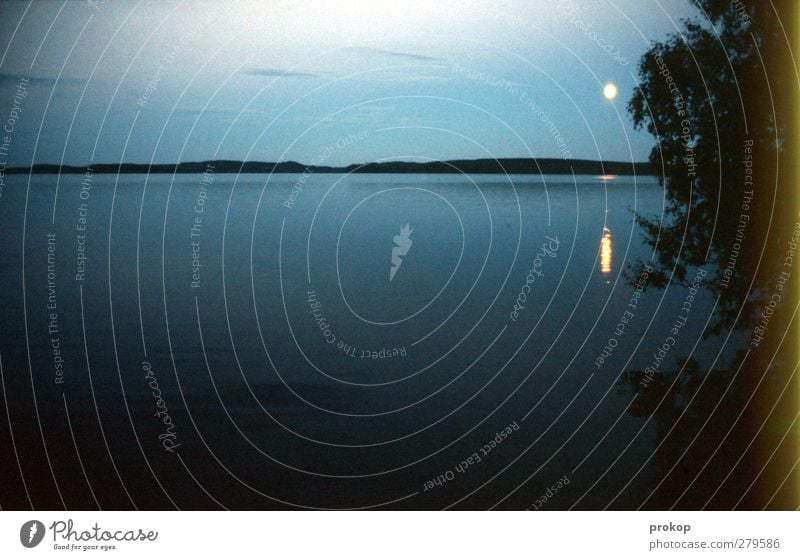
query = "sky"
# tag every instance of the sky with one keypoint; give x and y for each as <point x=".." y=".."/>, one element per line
<point x="331" y="82"/>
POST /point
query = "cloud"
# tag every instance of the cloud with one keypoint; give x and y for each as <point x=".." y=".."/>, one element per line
<point x="276" y="73"/>
<point x="15" y="79"/>
<point x="387" y="76"/>
<point x="396" y="54"/>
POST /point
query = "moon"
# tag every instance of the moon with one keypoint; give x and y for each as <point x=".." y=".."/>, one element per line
<point x="610" y="91"/>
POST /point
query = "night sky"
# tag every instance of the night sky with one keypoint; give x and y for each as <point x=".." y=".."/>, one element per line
<point x="187" y="81"/>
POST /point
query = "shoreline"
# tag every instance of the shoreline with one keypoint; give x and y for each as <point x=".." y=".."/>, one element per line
<point x="506" y="166"/>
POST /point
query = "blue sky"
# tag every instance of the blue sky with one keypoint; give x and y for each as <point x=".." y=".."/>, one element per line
<point x="341" y="82"/>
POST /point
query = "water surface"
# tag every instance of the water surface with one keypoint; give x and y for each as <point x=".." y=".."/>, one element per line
<point x="337" y="341"/>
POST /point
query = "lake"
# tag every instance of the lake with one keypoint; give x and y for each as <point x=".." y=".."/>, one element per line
<point x="338" y="341"/>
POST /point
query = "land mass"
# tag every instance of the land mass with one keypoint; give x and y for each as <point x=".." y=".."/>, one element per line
<point x="511" y="166"/>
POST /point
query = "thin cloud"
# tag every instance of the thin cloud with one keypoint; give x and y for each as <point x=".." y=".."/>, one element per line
<point x="396" y="54"/>
<point x="276" y="73"/>
<point x="15" y="79"/>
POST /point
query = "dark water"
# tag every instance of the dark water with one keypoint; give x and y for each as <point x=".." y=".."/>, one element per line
<point x="227" y="343"/>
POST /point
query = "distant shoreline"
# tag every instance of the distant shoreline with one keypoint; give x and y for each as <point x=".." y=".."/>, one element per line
<point x="510" y="166"/>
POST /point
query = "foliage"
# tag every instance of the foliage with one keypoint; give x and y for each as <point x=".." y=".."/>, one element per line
<point x="705" y="93"/>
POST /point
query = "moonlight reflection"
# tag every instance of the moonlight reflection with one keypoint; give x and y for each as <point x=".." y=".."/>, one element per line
<point x="605" y="252"/>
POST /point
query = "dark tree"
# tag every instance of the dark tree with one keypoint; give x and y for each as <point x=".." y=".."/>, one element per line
<point x="719" y="86"/>
<point x="719" y="96"/>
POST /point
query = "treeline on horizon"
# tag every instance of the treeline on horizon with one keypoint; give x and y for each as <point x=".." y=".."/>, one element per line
<point x="511" y="166"/>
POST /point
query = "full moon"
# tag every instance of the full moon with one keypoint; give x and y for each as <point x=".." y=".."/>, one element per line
<point x="610" y="91"/>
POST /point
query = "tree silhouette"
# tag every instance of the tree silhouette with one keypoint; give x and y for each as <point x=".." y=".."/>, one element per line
<point x="715" y="96"/>
<point x="718" y="97"/>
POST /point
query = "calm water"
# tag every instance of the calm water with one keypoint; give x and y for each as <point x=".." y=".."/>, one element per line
<point x="262" y="342"/>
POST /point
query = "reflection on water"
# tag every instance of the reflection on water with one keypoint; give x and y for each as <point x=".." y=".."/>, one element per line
<point x="605" y="252"/>
<point x="285" y="390"/>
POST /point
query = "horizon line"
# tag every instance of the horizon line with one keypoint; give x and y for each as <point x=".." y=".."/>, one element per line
<point x="507" y="165"/>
